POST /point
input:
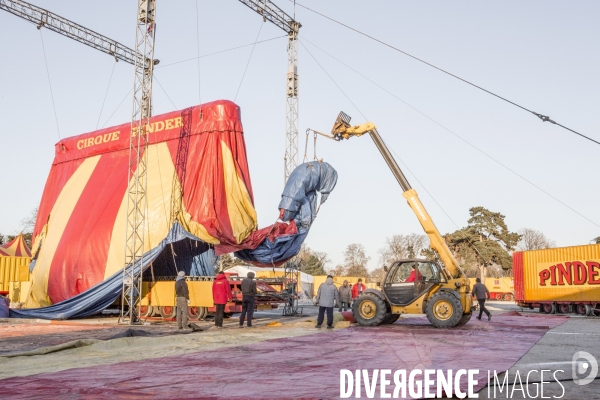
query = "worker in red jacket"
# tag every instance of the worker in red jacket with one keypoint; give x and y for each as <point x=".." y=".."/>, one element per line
<point x="358" y="289"/>
<point x="414" y="275"/>
<point x="221" y="291"/>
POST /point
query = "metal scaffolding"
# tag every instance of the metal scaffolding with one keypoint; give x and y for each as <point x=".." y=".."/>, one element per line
<point x="138" y="158"/>
<point x="270" y="12"/>
<point x="46" y="19"/>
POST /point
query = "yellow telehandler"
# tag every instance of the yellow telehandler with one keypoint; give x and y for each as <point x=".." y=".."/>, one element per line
<point x="414" y="286"/>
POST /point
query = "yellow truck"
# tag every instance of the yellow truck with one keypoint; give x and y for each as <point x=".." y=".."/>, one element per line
<point x="413" y="286"/>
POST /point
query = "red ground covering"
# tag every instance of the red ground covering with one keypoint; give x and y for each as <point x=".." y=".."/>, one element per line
<point x="300" y="367"/>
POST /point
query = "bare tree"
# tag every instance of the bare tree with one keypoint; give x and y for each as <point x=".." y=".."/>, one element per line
<point x="534" y="240"/>
<point x="355" y="260"/>
<point x="377" y="275"/>
<point x="403" y="246"/>
<point x="338" y="270"/>
<point x="28" y="223"/>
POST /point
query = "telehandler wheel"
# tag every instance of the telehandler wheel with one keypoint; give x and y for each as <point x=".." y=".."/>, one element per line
<point x="369" y="310"/>
<point x="444" y="310"/>
<point x="390" y="318"/>
<point x="464" y="319"/>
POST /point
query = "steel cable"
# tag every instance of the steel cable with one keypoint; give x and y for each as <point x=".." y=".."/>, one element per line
<point x="443" y="127"/>
<point x="544" y="118"/>
<point x="49" y="83"/>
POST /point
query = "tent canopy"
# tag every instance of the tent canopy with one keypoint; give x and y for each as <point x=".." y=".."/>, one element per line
<point x="15" y="248"/>
<point x="198" y="191"/>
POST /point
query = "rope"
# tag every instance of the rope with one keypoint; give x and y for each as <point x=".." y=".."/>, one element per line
<point x="106" y="94"/>
<point x="248" y="63"/>
<point x="544" y="118"/>
<point x="219" y="52"/>
<point x="198" y="44"/>
<point x="116" y="109"/>
<point x="49" y="83"/>
<point x="164" y="91"/>
<point x="445" y="128"/>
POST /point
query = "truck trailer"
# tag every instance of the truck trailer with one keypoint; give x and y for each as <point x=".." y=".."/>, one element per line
<point x="560" y="280"/>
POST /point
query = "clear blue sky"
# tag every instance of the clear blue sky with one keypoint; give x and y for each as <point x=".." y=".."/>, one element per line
<point x="541" y="54"/>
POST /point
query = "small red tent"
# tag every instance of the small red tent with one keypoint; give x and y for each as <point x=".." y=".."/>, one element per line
<point x="15" y="248"/>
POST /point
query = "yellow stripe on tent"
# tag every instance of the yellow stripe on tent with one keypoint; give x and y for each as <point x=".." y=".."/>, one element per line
<point x="59" y="217"/>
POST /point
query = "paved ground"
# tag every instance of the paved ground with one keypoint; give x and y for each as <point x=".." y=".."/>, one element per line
<point x="552" y="352"/>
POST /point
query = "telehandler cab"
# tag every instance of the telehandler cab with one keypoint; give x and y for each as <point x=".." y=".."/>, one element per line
<point x="415" y="286"/>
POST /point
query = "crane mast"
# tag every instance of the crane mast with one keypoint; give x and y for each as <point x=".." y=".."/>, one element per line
<point x="138" y="159"/>
<point x="270" y="12"/>
<point x="142" y="58"/>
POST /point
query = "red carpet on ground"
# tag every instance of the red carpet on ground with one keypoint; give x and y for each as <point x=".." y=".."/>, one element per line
<point x="299" y="367"/>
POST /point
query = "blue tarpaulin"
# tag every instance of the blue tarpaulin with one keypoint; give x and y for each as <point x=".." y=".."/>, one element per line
<point x="300" y="202"/>
<point x="105" y="293"/>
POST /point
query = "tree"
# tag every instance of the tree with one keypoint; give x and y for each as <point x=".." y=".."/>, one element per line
<point x="485" y="245"/>
<point x="227" y="261"/>
<point x="339" y="270"/>
<point x="596" y="240"/>
<point x="403" y="246"/>
<point x="377" y="275"/>
<point x="27" y="225"/>
<point x="355" y="260"/>
<point x="534" y="240"/>
<point x="313" y="262"/>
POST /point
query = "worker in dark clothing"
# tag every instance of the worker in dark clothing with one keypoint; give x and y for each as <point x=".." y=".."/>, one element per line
<point x="182" y="295"/>
<point x="345" y="293"/>
<point x="248" y="293"/>
<point x="221" y="295"/>
<point x="481" y="293"/>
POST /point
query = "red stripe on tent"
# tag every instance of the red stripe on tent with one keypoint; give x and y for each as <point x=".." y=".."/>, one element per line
<point x="80" y="259"/>
<point x="57" y="179"/>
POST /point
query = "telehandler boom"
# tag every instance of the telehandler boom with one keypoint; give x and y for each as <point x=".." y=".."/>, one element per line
<point x="413" y="286"/>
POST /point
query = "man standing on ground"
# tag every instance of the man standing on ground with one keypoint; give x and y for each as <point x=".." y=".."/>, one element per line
<point x="326" y="298"/>
<point x="248" y="293"/>
<point x="221" y="295"/>
<point x="481" y="293"/>
<point x="345" y="296"/>
<point x="358" y="289"/>
<point x="182" y="296"/>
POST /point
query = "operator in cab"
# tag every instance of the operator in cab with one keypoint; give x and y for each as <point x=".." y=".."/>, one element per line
<point x="414" y="274"/>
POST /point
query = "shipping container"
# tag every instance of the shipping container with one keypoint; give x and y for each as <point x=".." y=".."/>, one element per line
<point x="500" y="288"/>
<point x="559" y="280"/>
<point x="13" y="269"/>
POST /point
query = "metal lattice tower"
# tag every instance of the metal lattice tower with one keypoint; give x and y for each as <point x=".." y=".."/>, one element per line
<point x="291" y="109"/>
<point x="292" y="281"/>
<point x="138" y="157"/>
<point x="270" y="12"/>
